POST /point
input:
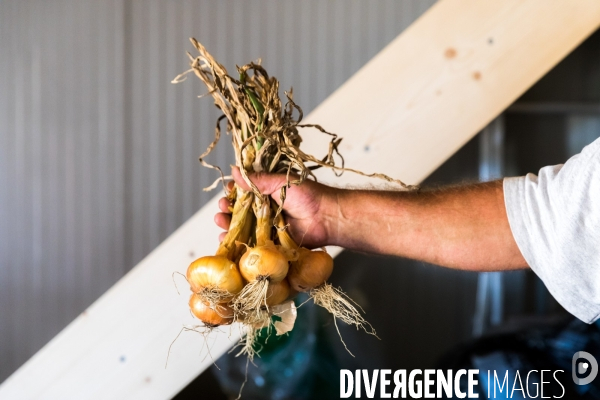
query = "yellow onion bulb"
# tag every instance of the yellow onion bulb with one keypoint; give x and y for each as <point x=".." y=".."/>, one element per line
<point x="264" y="262"/>
<point x="311" y="269"/>
<point x="221" y="314"/>
<point x="278" y="292"/>
<point x="215" y="273"/>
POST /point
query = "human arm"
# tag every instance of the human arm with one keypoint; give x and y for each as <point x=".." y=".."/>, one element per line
<point x="464" y="227"/>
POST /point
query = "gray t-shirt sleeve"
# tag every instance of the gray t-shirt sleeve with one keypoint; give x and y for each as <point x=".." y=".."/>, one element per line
<point x="555" y="219"/>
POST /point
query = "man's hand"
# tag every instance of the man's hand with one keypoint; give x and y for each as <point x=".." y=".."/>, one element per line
<point x="464" y="227"/>
<point x="306" y="207"/>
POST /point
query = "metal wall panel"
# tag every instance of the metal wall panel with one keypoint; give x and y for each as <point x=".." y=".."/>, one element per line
<point x="61" y="166"/>
<point x="98" y="151"/>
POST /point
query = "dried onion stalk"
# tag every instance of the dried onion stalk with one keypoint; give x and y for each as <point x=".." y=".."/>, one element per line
<point x="265" y="137"/>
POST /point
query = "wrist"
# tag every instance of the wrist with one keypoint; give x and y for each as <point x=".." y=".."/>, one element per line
<point x="330" y="213"/>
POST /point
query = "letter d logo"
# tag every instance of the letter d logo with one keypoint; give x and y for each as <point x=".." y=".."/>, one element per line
<point x="582" y="368"/>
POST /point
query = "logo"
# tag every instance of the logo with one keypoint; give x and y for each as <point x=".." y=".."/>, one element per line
<point x="583" y="367"/>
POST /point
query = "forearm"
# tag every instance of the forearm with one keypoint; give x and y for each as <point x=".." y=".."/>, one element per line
<point x="464" y="227"/>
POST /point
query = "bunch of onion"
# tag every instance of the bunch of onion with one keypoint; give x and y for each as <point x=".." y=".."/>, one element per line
<point x="215" y="280"/>
<point x="309" y="273"/>
<point x="265" y="267"/>
<point x="257" y="268"/>
<point x="244" y="283"/>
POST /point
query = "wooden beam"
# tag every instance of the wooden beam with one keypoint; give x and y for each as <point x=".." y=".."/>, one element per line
<point x="444" y="78"/>
<point x="404" y="113"/>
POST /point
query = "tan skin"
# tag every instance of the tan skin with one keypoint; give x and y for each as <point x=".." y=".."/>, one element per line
<point x="464" y="227"/>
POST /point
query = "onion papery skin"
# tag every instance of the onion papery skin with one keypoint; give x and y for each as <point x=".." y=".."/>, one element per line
<point x="264" y="262"/>
<point x="278" y="292"/>
<point x="221" y="314"/>
<point x="214" y="272"/>
<point x="311" y="270"/>
<point x="262" y="322"/>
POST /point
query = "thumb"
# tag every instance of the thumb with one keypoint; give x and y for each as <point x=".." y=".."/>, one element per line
<point x="267" y="184"/>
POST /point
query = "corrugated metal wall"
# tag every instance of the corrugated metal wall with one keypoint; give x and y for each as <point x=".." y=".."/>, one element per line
<point x="61" y="166"/>
<point x="98" y="151"/>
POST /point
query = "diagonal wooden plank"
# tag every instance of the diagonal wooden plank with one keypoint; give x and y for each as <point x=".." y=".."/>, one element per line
<point x="404" y="113"/>
<point x="446" y="77"/>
